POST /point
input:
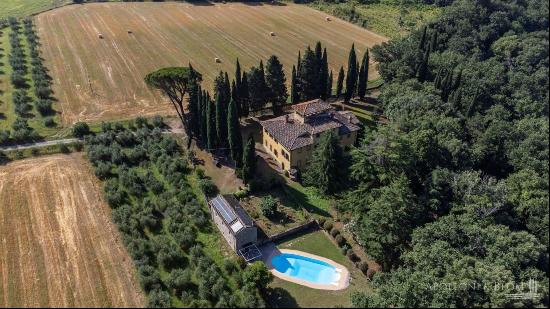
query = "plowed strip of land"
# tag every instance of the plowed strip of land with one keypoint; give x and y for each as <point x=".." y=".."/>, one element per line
<point x="58" y="247"/>
<point x="102" y="78"/>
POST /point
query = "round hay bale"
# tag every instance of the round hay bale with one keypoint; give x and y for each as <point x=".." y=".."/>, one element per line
<point x="328" y="18"/>
<point x="99" y="35"/>
<point x="272" y="33"/>
<point x="129" y="31"/>
<point x="217" y="60"/>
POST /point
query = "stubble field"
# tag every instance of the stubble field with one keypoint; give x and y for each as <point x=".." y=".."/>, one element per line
<point x="58" y="247"/>
<point x="102" y="79"/>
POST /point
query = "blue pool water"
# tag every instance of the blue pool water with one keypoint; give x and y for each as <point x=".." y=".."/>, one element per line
<point x="305" y="268"/>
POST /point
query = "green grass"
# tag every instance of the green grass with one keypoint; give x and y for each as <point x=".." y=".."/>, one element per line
<point x="21" y="8"/>
<point x="387" y="17"/>
<point x="41" y="151"/>
<point x="287" y="294"/>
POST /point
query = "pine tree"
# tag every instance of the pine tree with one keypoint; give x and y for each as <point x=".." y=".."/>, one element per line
<point x="211" y="126"/>
<point x="351" y="77"/>
<point x="249" y="160"/>
<point x="234" y="134"/>
<point x="363" y="75"/>
<point x="308" y="77"/>
<point x="276" y="83"/>
<point x="221" y="120"/>
<point x="340" y="82"/>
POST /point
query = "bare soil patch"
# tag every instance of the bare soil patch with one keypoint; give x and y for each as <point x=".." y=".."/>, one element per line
<point x="58" y="247"/>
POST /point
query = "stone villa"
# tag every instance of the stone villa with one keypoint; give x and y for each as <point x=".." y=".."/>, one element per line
<point x="290" y="139"/>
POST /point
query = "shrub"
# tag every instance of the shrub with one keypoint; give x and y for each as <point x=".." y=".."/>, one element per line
<point x="340" y="240"/>
<point x="49" y="122"/>
<point x="35" y="152"/>
<point x="268" y="206"/>
<point x="208" y="187"/>
<point x="159" y="299"/>
<point x="321" y="221"/>
<point x="44" y="106"/>
<point x="157" y="122"/>
<point x="242" y="193"/>
<point x="335" y="232"/>
<point x="327" y="226"/>
<point x="351" y="255"/>
<point x="364" y="267"/>
<point x="370" y="273"/>
<point x="64" y="149"/>
<point x="81" y="129"/>
<point x="179" y="279"/>
<point x="149" y="278"/>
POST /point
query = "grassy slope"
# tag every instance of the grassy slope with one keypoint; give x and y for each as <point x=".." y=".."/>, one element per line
<point x="317" y="243"/>
<point x="386" y="18"/>
<point x="20" y="8"/>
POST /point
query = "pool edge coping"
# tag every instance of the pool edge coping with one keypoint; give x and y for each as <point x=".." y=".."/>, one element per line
<point x="343" y="282"/>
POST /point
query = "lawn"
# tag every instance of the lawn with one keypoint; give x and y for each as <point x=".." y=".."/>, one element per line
<point x="387" y="17"/>
<point x="21" y="8"/>
<point x="287" y="294"/>
<point x="103" y="78"/>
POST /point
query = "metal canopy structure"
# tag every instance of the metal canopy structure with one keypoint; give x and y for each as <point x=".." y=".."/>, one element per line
<point x="250" y="253"/>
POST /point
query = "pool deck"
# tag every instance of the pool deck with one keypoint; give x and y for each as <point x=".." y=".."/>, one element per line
<point x="270" y="251"/>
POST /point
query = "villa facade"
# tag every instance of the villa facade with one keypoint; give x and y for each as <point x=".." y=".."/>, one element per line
<point x="290" y="139"/>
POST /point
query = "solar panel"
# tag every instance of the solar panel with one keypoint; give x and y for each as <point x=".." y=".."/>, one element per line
<point x="224" y="209"/>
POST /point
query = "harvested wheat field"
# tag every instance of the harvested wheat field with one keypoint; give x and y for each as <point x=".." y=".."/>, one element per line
<point x="98" y="53"/>
<point x="58" y="247"/>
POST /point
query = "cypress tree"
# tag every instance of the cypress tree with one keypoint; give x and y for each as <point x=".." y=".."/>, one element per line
<point x="329" y="85"/>
<point x="221" y="120"/>
<point x="340" y="82"/>
<point x="363" y="75"/>
<point x="422" y="43"/>
<point x="257" y="89"/>
<point x="249" y="160"/>
<point x="294" y="96"/>
<point x="309" y="79"/>
<point x="211" y="126"/>
<point x="226" y="90"/>
<point x="219" y="84"/>
<point x="276" y="83"/>
<point x="194" y="88"/>
<point x="323" y="76"/>
<point x="234" y="134"/>
<point x="204" y="117"/>
<point x="244" y="96"/>
<point x="199" y="112"/>
<point x="433" y="43"/>
<point x="422" y="70"/>
<point x="238" y="75"/>
<point x="351" y="77"/>
<point x="325" y="170"/>
<point x="235" y="97"/>
<point x="299" y="63"/>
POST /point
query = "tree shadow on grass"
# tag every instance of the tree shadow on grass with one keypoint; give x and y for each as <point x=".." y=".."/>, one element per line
<point x="302" y="199"/>
<point x="280" y="298"/>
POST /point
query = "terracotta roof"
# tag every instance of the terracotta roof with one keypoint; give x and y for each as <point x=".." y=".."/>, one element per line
<point x="312" y="107"/>
<point x="293" y="134"/>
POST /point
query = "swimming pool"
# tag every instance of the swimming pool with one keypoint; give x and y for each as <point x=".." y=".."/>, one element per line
<point x="306" y="268"/>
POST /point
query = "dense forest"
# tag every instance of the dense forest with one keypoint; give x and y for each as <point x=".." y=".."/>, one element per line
<point x="451" y="197"/>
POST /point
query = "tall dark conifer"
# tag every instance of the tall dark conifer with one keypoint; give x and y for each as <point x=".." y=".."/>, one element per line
<point x="340" y="82"/>
<point x="294" y="94"/>
<point x="323" y="76"/>
<point x="276" y="83"/>
<point x="234" y="134"/>
<point x="221" y="120"/>
<point x="329" y="85"/>
<point x="363" y="75"/>
<point x="244" y="96"/>
<point x="309" y="76"/>
<point x="351" y="77"/>
<point x="211" y="139"/>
